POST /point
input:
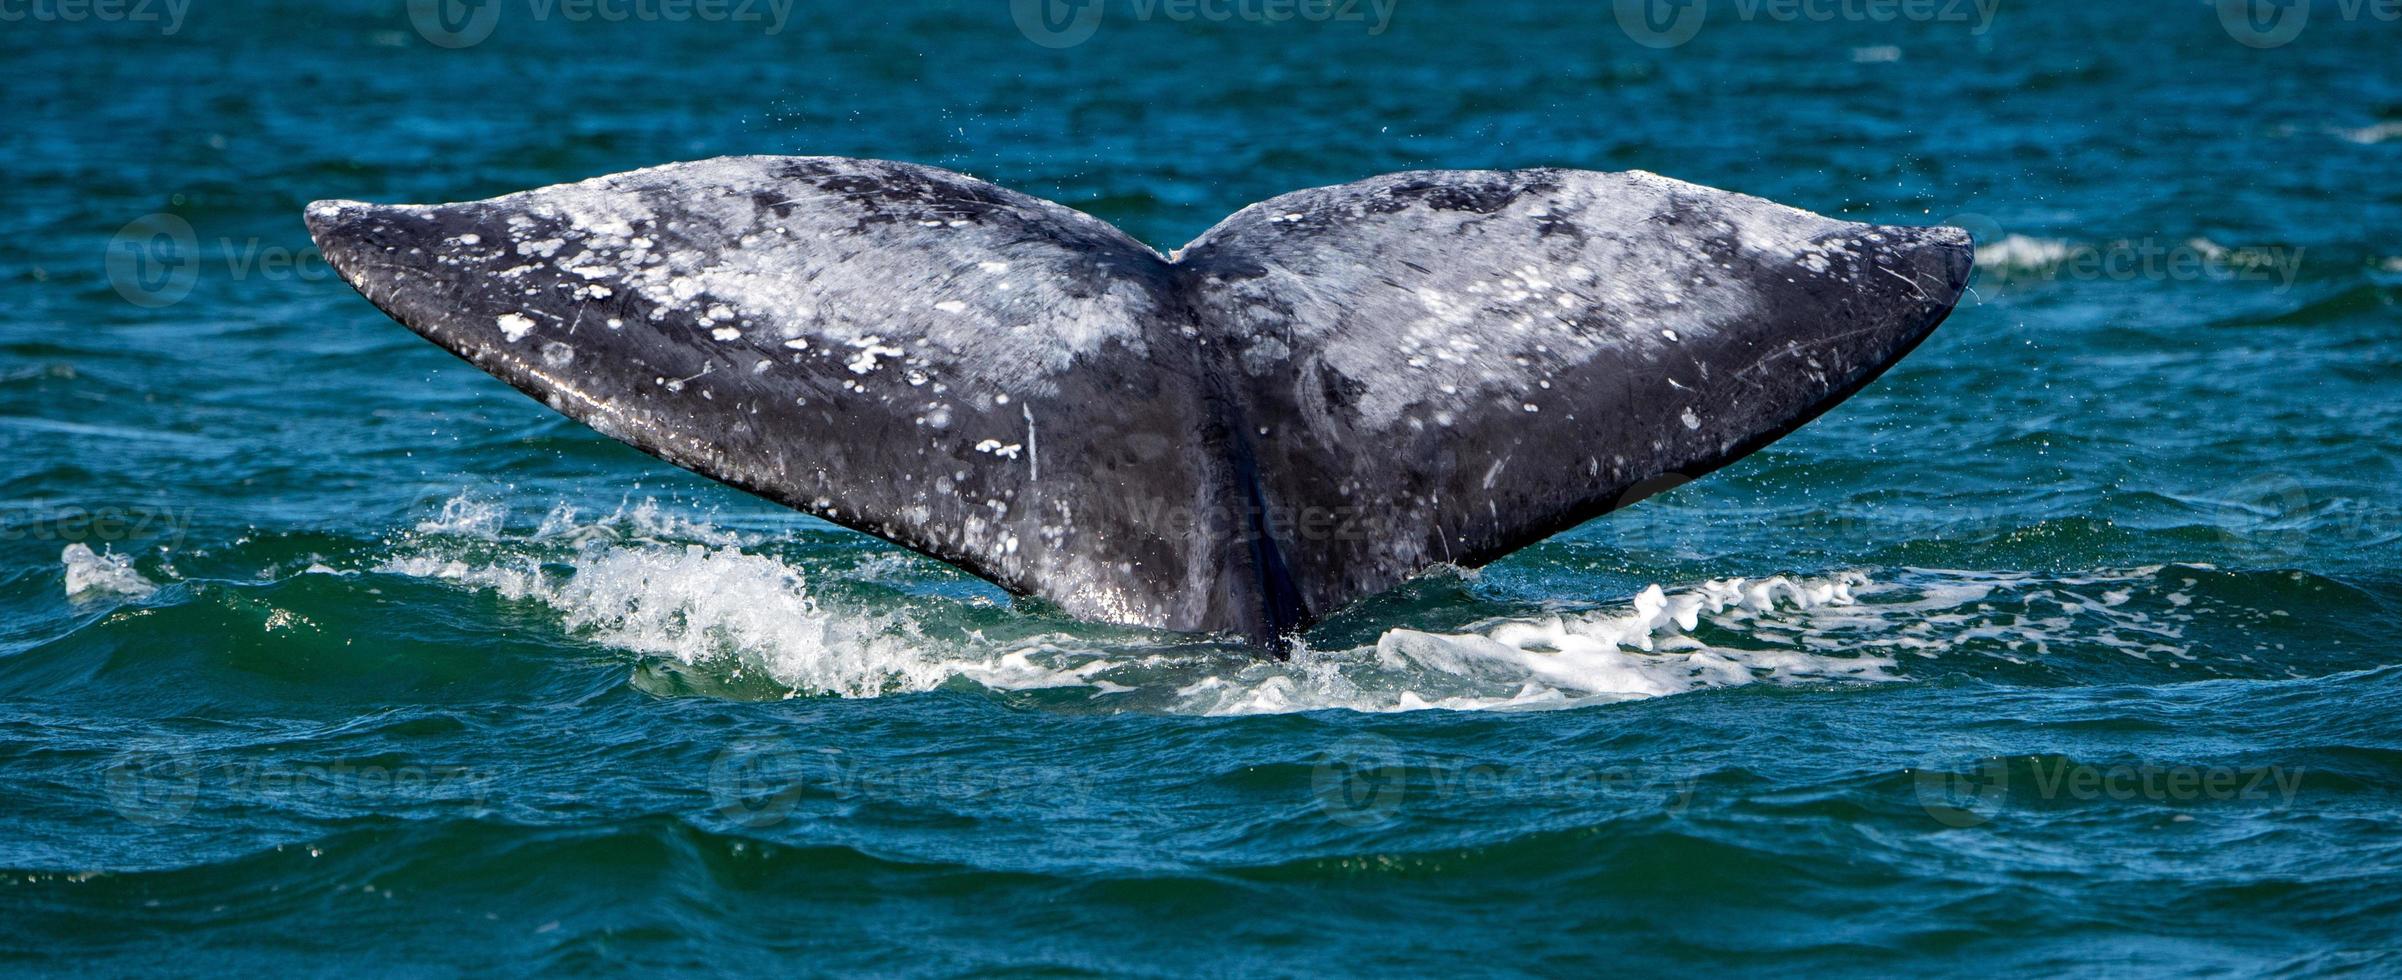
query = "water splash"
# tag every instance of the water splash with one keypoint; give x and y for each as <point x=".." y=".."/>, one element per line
<point x="664" y="586"/>
<point x="748" y="616"/>
<point x="653" y="583"/>
<point x="92" y="575"/>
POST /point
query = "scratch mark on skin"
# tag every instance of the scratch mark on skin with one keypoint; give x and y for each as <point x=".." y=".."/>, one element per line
<point x="1034" y="460"/>
<point x="1913" y="282"/>
<point x="1796" y="349"/>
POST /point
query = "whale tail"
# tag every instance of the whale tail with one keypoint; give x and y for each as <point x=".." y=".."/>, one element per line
<point x="1323" y="395"/>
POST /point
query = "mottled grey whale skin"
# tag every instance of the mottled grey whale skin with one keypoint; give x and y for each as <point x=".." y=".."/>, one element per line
<point x="1322" y="396"/>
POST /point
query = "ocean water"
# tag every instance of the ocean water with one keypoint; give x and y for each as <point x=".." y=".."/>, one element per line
<point x="2069" y="645"/>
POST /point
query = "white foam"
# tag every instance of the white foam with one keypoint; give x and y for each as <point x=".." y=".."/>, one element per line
<point x="1644" y="649"/>
<point x="92" y="575"/>
<point x="700" y="604"/>
<point x="655" y="584"/>
<point x="659" y="585"/>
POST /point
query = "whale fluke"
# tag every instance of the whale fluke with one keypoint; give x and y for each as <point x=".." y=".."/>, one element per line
<point x="1325" y="394"/>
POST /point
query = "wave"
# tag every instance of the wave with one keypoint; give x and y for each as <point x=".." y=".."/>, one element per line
<point x="699" y="597"/>
<point x="756" y="615"/>
<point x="743" y="615"/>
<point x="2016" y="253"/>
<point x="697" y="603"/>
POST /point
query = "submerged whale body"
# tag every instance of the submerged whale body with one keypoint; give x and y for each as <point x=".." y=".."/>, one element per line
<point x="1323" y="395"/>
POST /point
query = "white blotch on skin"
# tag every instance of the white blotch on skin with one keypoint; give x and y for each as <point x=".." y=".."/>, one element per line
<point x="514" y="326"/>
<point x="870" y="347"/>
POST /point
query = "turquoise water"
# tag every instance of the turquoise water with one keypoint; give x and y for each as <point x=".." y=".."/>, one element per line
<point x="2068" y="645"/>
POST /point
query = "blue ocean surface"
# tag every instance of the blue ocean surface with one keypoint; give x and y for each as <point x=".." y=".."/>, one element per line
<point x="2068" y="646"/>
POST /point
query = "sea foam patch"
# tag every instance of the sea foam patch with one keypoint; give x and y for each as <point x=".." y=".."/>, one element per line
<point x="727" y="605"/>
<point x="657" y="585"/>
